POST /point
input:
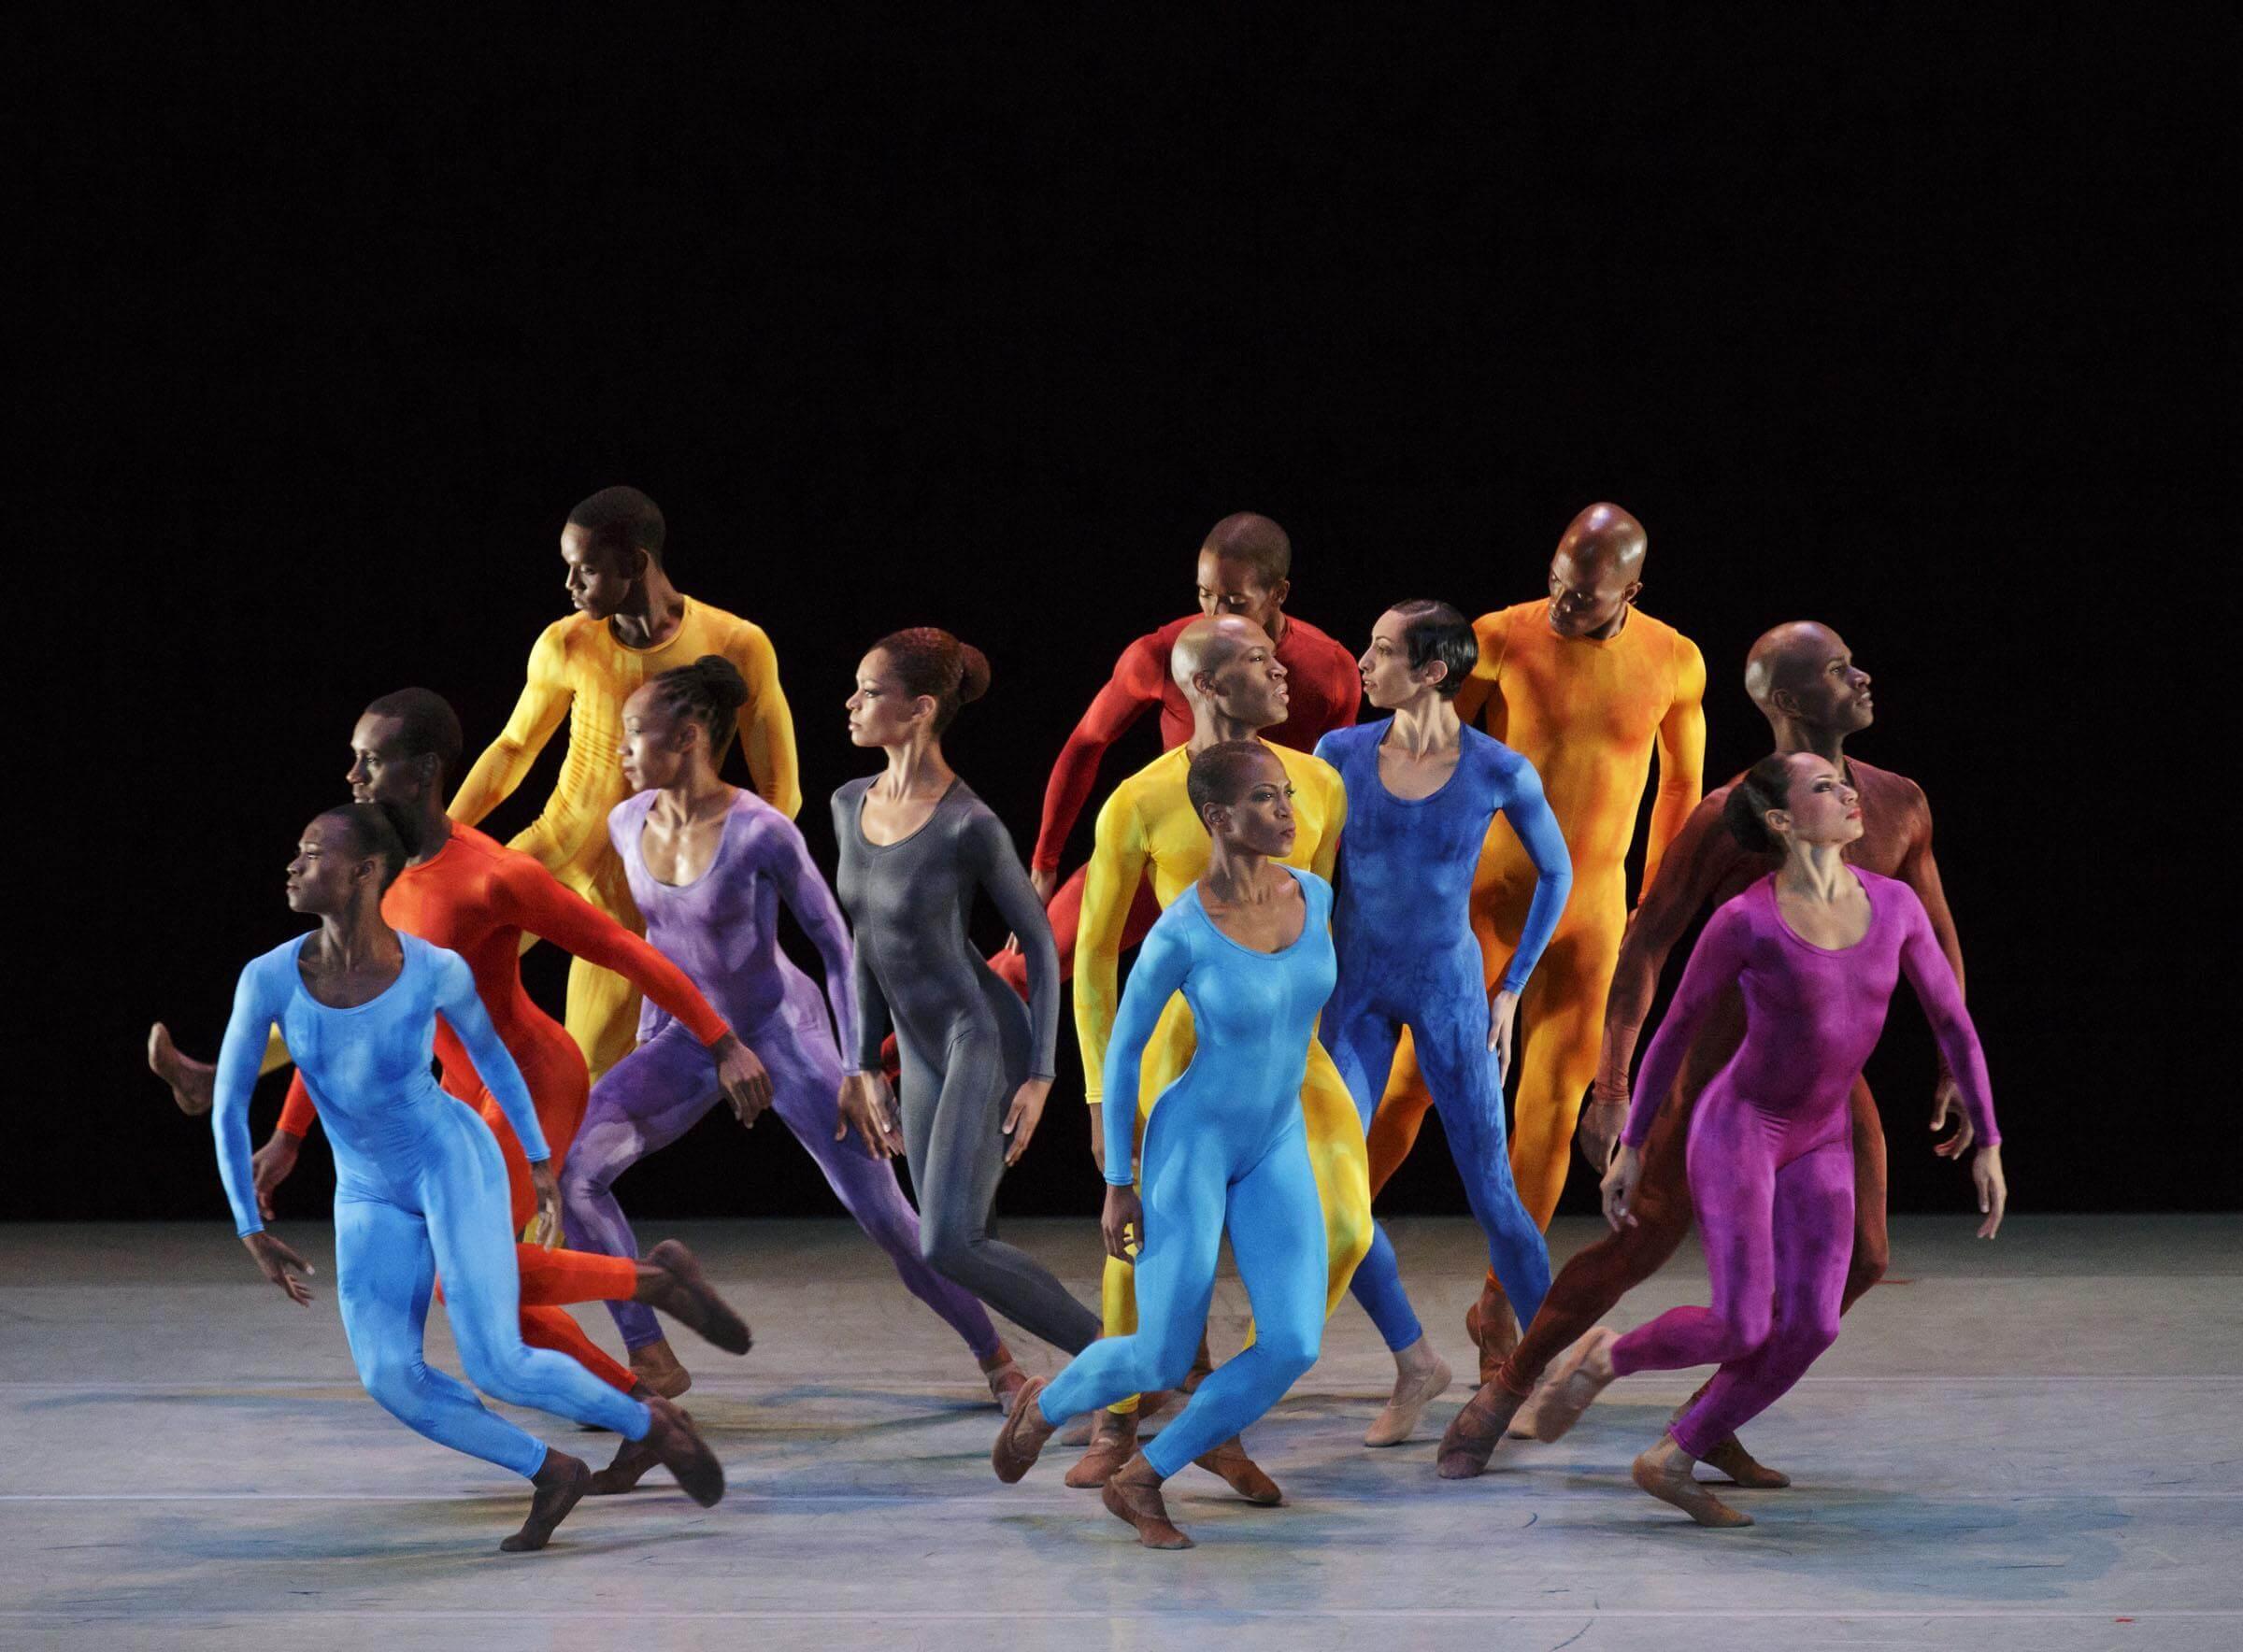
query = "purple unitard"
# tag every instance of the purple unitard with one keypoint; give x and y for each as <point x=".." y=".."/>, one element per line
<point x="1770" y="1155"/>
<point x="721" y="929"/>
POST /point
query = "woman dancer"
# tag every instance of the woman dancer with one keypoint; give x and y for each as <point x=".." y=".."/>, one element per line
<point x="1815" y="946"/>
<point x="704" y="861"/>
<point x="1423" y="788"/>
<point x="916" y="843"/>
<point x="419" y="1185"/>
<point x="1250" y="948"/>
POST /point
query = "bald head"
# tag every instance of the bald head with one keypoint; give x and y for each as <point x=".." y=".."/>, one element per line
<point x="1210" y="643"/>
<point x="1228" y="670"/>
<point x="1801" y="674"/>
<point x="1596" y="571"/>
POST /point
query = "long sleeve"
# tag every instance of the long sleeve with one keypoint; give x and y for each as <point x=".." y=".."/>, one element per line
<point x="299" y="1111"/>
<point x="767" y="723"/>
<point x="506" y="762"/>
<point x="536" y="901"/>
<point x="1529" y="813"/>
<point x="257" y="1004"/>
<point x="786" y="859"/>
<point x="460" y="1006"/>
<point x="1920" y="873"/>
<point x="1702" y="857"/>
<point x="1324" y="862"/>
<point x="1492" y="632"/>
<point x="998" y="867"/>
<point x="1110" y="885"/>
<point x="871" y="1005"/>
<point x="1134" y="689"/>
<point x="1941" y="995"/>
<point x="1681" y="757"/>
<point x="1714" y="964"/>
<point x="1162" y="963"/>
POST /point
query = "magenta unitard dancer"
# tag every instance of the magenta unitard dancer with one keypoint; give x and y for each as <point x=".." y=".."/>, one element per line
<point x="1770" y="1154"/>
<point x="721" y="928"/>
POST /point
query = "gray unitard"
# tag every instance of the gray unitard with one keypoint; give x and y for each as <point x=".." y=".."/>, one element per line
<point x="966" y="1039"/>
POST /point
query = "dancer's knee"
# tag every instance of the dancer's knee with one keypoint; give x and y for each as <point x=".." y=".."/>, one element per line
<point x="1290" y="1349"/>
<point x="395" y="1381"/>
<point x="947" y="1242"/>
<point x="1164" y="1355"/>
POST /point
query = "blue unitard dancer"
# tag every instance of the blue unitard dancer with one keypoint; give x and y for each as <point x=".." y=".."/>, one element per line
<point x="1422" y="789"/>
<point x="725" y="862"/>
<point x="420" y="1188"/>
<point x="1226" y="1147"/>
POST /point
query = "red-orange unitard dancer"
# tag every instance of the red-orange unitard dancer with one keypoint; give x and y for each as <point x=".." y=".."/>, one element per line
<point x="1803" y="677"/>
<point x="1584" y="687"/>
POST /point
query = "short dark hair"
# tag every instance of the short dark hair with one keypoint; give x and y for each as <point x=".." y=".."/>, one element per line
<point x="710" y="690"/>
<point x="380" y="831"/>
<point x="1257" y="542"/>
<point x="428" y="726"/>
<point x="929" y="661"/>
<point x="1222" y="773"/>
<point x="1767" y="785"/>
<point x="623" y="516"/>
<point x="1435" y="631"/>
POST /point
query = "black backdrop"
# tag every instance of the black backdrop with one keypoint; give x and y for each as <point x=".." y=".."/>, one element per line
<point x="1907" y="326"/>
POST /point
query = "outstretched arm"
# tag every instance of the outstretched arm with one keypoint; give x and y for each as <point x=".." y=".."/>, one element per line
<point x="1134" y="689"/>
<point x="258" y="1001"/>
<point x="528" y="897"/>
<point x="1163" y="962"/>
<point x="1529" y="813"/>
<point x="767" y="724"/>
<point x="500" y="769"/>
<point x="1681" y="757"/>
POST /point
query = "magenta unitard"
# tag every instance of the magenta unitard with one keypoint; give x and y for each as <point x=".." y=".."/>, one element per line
<point x="721" y="928"/>
<point x="1771" y="1156"/>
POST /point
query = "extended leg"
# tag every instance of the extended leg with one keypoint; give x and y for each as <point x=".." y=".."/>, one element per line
<point x="1362" y="1045"/>
<point x="1453" y="1045"/>
<point x="1562" y="1025"/>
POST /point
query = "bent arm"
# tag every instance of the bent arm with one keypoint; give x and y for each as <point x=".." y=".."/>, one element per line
<point x="1941" y="995"/>
<point x="506" y="759"/>
<point x="1681" y="758"/>
<point x="767" y="724"/>
<point x="1701" y="858"/>
<point x="998" y="867"/>
<point x="1110" y="885"/>
<point x="1162" y="963"/>
<point x="1528" y="811"/>
<point x="804" y="893"/>
<point x="1134" y="689"/>
<point x="535" y="900"/>
<point x="1715" y="963"/>
<point x="463" y="1010"/>
<point x="257" y="1004"/>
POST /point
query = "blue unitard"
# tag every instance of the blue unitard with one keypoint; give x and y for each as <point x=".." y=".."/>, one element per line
<point x="420" y="1190"/>
<point x="1407" y="959"/>
<point x="1226" y="1147"/>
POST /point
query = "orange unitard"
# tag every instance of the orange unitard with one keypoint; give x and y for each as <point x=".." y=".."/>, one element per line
<point x="580" y="671"/>
<point x="1586" y="713"/>
<point x="479" y="900"/>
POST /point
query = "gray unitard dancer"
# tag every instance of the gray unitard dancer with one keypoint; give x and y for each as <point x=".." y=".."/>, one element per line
<point x="966" y="1039"/>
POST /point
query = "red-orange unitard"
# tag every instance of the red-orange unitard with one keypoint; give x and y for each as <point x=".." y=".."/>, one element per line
<point x="478" y="897"/>
<point x="1706" y="866"/>
<point x="1587" y="712"/>
<point x="1325" y="688"/>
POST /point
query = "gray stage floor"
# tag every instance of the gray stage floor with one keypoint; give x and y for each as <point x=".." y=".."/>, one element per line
<point x="2036" y="1443"/>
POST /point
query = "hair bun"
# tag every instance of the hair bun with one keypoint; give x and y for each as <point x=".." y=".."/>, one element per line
<point x="973" y="672"/>
<point x="721" y="680"/>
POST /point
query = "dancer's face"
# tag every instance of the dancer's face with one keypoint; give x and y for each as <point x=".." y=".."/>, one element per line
<point x="380" y="769"/>
<point x="1821" y="808"/>
<point x="1587" y="592"/>
<point x="1250" y="687"/>
<point x="879" y="712"/>
<point x="1830" y="690"/>
<point x="1261" y="822"/>
<point x="598" y="577"/>
<point x="657" y="741"/>
<point x="325" y="871"/>
<point x="1228" y="586"/>
<point x="1387" y="679"/>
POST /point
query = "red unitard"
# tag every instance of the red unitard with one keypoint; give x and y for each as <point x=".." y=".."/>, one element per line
<point x="1706" y="866"/>
<point x="477" y="897"/>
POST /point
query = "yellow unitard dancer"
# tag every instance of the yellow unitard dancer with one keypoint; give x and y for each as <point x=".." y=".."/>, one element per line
<point x="582" y="668"/>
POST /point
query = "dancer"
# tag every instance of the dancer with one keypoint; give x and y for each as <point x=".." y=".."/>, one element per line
<point x="1804" y="679"/>
<point x="463" y="891"/>
<point x="630" y="624"/>
<point x="1232" y="679"/>
<point x="706" y="862"/>
<point x="1247" y="947"/>
<point x="1816" y="947"/>
<point x="1585" y="685"/>
<point x="1421" y="791"/>
<point x="420" y="1187"/>
<point x="916" y="844"/>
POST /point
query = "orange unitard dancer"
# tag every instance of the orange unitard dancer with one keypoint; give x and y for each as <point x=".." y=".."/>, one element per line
<point x="1585" y="687"/>
<point x="1244" y="568"/>
<point x="630" y="625"/>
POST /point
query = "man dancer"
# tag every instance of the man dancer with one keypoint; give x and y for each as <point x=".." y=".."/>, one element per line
<point x="463" y="891"/>
<point x="630" y="624"/>
<point x="1804" y="679"/>
<point x="1228" y="671"/>
<point x="1583" y="685"/>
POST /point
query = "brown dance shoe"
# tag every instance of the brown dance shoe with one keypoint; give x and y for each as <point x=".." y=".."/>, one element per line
<point x="1742" y="1469"/>
<point x="657" y="1366"/>
<point x="560" y="1481"/>
<point x="1133" y="1496"/>
<point x="634" y="1461"/>
<point x="1670" y="1481"/>
<point x="1572" y="1388"/>
<point x="1004" y="1376"/>
<point x="1230" y="1462"/>
<point x="684" y="1293"/>
<point x="1475" y="1431"/>
<point x="1493" y="1327"/>
<point x="1113" y="1442"/>
<point x="681" y="1449"/>
<point x="1021" y="1439"/>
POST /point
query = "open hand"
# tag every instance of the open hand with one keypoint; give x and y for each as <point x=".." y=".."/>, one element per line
<point x="271" y="1166"/>
<point x="743" y="1079"/>
<point x="1020" y="1117"/>
<point x="1618" y="1187"/>
<point x="868" y="1106"/>
<point x="1503" y="1009"/>
<point x="278" y="1262"/>
<point x="1994" y="1189"/>
<point x="1122" y="1222"/>
<point x="1602" y="1121"/>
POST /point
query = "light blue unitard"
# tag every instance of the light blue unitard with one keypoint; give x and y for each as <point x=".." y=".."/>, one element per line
<point x="420" y="1190"/>
<point x="1225" y="1147"/>
<point x="1407" y="959"/>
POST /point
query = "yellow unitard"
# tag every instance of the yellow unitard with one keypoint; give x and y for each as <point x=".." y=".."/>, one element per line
<point x="580" y="671"/>
<point x="1147" y="826"/>
<point x="1586" y="713"/>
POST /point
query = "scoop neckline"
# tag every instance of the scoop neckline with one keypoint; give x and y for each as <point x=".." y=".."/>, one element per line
<point x="1393" y="796"/>
<point x="956" y="780"/>
<point x="1207" y="918"/>
<point x="295" y="964"/>
<point x="638" y="846"/>
<point x="1776" y="906"/>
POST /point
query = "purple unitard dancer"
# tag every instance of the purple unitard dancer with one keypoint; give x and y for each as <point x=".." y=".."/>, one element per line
<point x="720" y="926"/>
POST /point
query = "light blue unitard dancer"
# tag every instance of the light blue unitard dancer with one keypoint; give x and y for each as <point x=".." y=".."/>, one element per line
<point x="1225" y="1148"/>
<point x="420" y="1190"/>
<point x="1407" y="959"/>
<point x="721" y="928"/>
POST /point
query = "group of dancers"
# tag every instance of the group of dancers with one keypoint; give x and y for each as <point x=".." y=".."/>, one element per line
<point x="1337" y="925"/>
